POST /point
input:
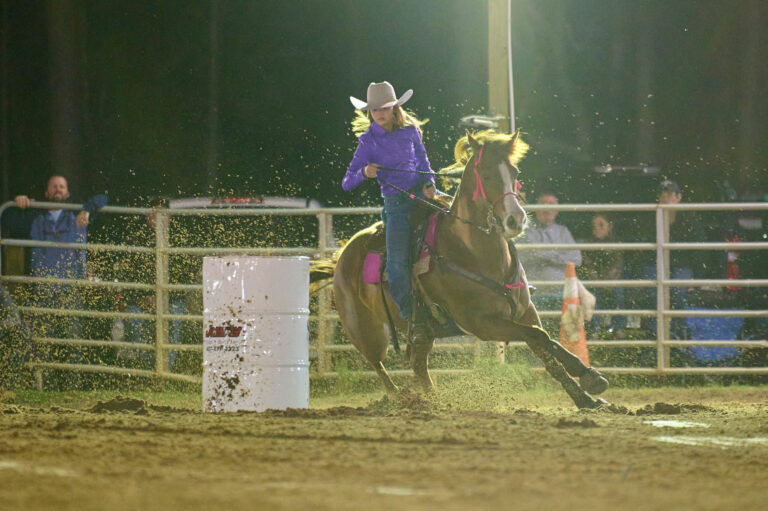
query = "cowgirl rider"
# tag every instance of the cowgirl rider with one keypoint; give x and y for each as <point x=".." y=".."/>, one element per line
<point x="391" y="137"/>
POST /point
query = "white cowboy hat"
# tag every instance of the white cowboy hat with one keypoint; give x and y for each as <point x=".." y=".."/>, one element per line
<point x="381" y="95"/>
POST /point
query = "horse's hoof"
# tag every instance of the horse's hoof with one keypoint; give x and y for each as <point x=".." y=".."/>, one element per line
<point x="593" y="382"/>
<point x="600" y="402"/>
<point x="590" y="403"/>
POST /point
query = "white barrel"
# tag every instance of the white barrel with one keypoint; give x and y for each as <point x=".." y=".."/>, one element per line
<point x="255" y="333"/>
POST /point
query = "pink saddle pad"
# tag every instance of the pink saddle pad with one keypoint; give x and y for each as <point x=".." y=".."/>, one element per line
<point x="372" y="268"/>
<point x="372" y="263"/>
<point x="430" y="237"/>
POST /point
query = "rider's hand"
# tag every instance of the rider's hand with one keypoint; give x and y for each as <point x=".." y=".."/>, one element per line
<point x="23" y="201"/>
<point x="371" y="170"/>
<point x="82" y="218"/>
<point x="429" y="190"/>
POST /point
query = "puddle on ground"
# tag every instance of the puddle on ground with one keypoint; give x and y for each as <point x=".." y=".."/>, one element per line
<point x="43" y="471"/>
<point x="723" y="442"/>
<point x="396" y="490"/>
<point x="663" y="423"/>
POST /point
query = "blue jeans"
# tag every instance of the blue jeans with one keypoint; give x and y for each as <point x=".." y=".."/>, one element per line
<point x="396" y="214"/>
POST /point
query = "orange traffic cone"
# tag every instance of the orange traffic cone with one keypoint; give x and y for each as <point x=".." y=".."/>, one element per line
<point x="572" y="334"/>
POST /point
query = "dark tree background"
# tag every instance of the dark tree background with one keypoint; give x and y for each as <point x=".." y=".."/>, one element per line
<point x="181" y="98"/>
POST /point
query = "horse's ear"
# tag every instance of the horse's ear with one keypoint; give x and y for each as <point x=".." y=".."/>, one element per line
<point x="517" y="147"/>
<point x="513" y="141"/>
<point x="474" y="144"/>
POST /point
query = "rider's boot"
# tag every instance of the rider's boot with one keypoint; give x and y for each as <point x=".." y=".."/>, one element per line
<point x="420" y="332"/>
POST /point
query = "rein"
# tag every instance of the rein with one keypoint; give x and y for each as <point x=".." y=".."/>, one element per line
<point x="493" y="222"/>
<point x="430" y="172"/>
<point x="435" y="207"/>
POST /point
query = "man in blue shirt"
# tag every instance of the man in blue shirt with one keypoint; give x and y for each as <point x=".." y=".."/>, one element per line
<point x="61" y="226"/>
<point x="548" y="264"/>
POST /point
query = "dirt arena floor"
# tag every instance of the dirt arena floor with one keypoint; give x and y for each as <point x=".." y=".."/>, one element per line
<point x="669" y="449"/>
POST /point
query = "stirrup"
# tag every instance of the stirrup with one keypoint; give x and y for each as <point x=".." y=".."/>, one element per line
<point x="419" y="333"/>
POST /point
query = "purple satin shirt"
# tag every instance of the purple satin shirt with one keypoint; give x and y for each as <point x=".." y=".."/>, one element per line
<point x="402" y="149"/>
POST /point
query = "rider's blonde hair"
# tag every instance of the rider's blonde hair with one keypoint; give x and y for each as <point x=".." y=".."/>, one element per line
<point x="402" y="118"/>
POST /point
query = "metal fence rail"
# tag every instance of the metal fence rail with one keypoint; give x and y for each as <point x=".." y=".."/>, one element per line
<point x="325" y="320"/>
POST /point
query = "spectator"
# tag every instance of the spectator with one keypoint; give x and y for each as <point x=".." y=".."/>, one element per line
<point x="604" y="265"/>
<point x="682" y="227"/>
<point x="542" y="264"/>
<point x="61" y="226"/>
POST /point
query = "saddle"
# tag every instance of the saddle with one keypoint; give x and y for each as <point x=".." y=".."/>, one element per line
<point x="423" y="239"/>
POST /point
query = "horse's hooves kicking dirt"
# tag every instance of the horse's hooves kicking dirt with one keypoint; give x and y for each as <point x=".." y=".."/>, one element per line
<point x="602" y="402"/>
<point x="591" y="403"/>
<point x="409" y="398"/>
<point x="593" y="382"/>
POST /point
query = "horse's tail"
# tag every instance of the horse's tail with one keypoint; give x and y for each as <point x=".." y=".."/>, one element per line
<point x="321" y="274"/>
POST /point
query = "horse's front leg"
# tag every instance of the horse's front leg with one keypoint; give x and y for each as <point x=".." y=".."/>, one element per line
<point x="590" y="378"/>
<point x="419" y="360"/>
<point x="556" y="369"/>
<point x="502" y="329"/>
<point x="421" y="339"/>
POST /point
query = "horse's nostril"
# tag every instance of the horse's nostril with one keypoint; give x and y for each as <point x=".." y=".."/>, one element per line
<point x="511" y="222"/>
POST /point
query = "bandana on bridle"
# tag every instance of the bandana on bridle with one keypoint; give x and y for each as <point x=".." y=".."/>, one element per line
<point x="479" y="188"/>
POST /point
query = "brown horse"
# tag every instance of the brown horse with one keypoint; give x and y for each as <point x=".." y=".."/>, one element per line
<point x="476" y="277"/>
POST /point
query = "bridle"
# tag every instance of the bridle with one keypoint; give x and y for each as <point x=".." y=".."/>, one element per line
<point x="492" y="220"/>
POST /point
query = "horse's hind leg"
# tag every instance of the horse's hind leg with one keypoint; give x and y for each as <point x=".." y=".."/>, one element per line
<point x="384" y="376"/>
<point x="369" y="336"/>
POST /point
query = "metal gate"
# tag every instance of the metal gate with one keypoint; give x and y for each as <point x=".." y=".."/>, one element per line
<point x="327" y="340"/>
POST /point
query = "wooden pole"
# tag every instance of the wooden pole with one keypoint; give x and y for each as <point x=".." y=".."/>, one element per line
<point x="213" y="101"/>
<point x="4" y="137"/>
<point x="500" y="100"/>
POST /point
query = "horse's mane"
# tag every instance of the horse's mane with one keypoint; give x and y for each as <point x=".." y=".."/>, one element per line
<point x="462" y="152"/>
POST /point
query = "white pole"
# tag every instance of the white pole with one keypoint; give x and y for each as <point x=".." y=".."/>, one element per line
<point x="509" y="66"/>
<point x="661" y="361"/>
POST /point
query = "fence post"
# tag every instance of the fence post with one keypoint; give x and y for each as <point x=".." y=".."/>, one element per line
<point x="501" y="352"/>
<point x="38" y="379"/>
<point x="662" y="352"/>
<point x="324" y="331"/>
<point x="161" y="293"/>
